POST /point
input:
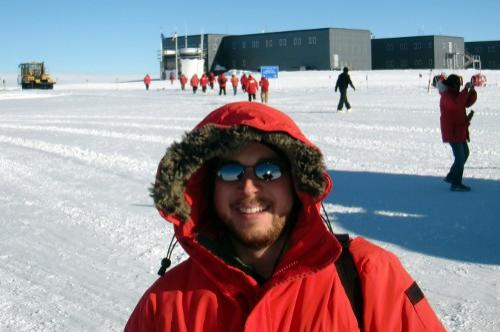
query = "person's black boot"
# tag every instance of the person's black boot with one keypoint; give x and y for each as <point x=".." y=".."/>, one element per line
<point x="459" y="187"/>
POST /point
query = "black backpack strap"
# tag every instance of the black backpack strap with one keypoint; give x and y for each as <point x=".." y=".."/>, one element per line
<point x="349" y="277"/>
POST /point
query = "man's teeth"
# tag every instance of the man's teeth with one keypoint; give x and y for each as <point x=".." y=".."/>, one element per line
<point x="254" y="209"/>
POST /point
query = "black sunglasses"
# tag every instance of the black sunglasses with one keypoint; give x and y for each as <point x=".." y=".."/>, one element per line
<point x="265" y="171"/>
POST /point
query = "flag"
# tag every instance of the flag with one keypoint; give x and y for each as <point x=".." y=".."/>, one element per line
<point x="174" y="37"/>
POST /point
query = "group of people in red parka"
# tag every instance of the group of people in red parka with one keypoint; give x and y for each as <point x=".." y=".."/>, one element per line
<point x="249" y="84"/>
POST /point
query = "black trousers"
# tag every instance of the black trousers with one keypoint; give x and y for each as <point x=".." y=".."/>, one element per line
<point x="343" y="100"/>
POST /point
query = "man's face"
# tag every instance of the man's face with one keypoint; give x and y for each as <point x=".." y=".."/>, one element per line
<point x="255" y="211"/>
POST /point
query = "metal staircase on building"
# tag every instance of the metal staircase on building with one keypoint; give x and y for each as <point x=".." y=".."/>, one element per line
<point x="472" y="60"/>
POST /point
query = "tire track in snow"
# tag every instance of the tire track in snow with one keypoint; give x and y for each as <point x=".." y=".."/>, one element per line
<point x="106" y="117"/>
<point x="92" y="132"/>
<point x="106" y="124"/>
<point x="67" y="263"/>
<point x="112" y="162"/>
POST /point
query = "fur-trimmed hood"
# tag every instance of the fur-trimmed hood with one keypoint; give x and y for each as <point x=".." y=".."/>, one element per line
<point x="181" y="183"/>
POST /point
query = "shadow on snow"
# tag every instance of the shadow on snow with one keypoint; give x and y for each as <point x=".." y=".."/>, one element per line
<point x="420" y="213"/>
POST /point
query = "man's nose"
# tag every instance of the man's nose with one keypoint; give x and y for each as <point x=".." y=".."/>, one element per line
<point x="249" y="183"/>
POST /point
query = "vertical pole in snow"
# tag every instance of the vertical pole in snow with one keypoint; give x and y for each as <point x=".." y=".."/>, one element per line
<point x="429" y="83"/>
<point x="176" y="60"/>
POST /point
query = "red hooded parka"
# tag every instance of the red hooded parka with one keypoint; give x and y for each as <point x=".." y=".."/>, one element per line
<point x="454" y="122"/>
<point x="206" y="293"/>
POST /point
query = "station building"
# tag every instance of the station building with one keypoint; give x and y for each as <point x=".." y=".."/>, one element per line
<point x="418" y="52"/>
<point x="487" y="51"/>
<point x="314" y="49"/>
<point x="327" y="49"/>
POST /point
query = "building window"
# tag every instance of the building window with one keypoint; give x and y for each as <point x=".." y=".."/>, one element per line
<point x="403" y="46"/>
<point x="244" y="63"/>
<point x="282" y="42"/>
<point x="403" y="63"/>
<point x="389" y="47"/>
<point x="297" y="41"/>
<point x="234" y="45"/>
<point x="417" y="46"/>
<point x="430" y="45"/>
<point x="430" y="62"/>
<point x="233" y="61"/>
<point x="491" y="49"/>
<point x="255" y="44"/>
<point x="243" y="44"/>
<point x="311" y="40"/>
<point x="478" y="49"/>
<point x="389" y="63"/>
<point x="269" y="43"/>
<point x="418" y="62"/>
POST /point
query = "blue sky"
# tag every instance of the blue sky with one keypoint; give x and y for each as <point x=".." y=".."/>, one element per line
<point x="113" y="37"/>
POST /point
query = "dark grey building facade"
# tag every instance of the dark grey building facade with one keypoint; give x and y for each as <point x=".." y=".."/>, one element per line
<point x="488" y="51"/>
<point x="314" y="49"/>
<point x="418" y="52"/>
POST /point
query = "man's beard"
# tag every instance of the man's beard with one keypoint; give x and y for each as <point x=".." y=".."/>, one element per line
<point x="257" y="240"/>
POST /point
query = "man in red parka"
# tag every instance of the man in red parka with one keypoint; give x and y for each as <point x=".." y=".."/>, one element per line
<point x="243" y="192"/>
<point x="251" y="87"/>
<point x="147" y="81"/>
<point x="204" y="82"/>
<point x="264" y="89"/>
<point x="455" y="125"/>
<point x="211" y="79"/>
<point x="243" y="81"/>
<point x="195" y="81"/>
<point x="222" y="79"/>
<point x="234" y="83"/>
<point x="183" y="79"/>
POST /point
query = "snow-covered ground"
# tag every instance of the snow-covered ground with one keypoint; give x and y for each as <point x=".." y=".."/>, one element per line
<point x="80" y="240"/>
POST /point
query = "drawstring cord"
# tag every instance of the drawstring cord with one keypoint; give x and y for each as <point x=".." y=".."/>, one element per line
<point x="326" y="219"/>
<point x="166" y="262"/>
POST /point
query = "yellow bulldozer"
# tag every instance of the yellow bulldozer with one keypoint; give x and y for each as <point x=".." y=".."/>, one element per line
<point x="32" y="75"/>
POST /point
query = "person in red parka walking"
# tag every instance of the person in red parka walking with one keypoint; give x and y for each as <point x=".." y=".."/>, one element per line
<point x="183" y="80"/>
<point x="264" y="89"/>
<point x="211" y="79"/>
<point x="243" y="192"/>
<point x="147" y="81"/>
<point x="204" y="82"/>
<point x="195" y="81"/>
<point x="455" y="125"/>
<point x="222" y="80"/>
<point x="234" y="83"/>
<point x="243" y="81"/>
<point x="251" y="87"/>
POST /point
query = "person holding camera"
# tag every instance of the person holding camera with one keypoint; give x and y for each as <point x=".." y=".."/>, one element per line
<point x="455" y="125"/>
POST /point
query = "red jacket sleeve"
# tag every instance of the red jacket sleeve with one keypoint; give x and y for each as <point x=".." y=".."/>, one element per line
<point x="142" y="318"/>
<point x="392" y="301"/>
